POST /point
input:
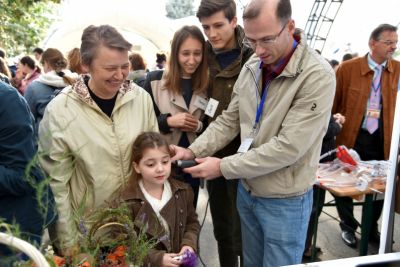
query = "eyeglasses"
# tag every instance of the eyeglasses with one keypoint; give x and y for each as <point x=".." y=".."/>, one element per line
<point x="264" y="42"/>
<point x="388" y="42"/>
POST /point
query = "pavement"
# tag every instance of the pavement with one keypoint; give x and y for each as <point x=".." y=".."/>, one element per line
<point x="328" y="236"/>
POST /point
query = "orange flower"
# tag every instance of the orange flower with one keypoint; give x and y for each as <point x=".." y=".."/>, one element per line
<point x="59" y="261"/>
<point x="119" y="251"/>
<point x="85" y="264"/>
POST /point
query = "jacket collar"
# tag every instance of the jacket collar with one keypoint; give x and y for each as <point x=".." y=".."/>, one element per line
<point x="295" y="64"/>
<point x="365" y="69"/>
<point x="152" y="226"/>
<point x="133" y="191"/>
<point x="82" y="91"/>
<point x="178" y="100"/>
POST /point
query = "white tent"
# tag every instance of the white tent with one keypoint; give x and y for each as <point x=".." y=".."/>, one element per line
<point x="144" y="25"/>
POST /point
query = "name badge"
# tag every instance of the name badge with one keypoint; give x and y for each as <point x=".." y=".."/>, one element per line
<point x="211" y="107"/>
<point x="200" y="102"/>
<point x="373" y="113"/>
<point x="245" y="145"/>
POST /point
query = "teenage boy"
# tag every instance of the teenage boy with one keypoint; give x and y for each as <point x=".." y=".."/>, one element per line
<point x="226" y="56"/>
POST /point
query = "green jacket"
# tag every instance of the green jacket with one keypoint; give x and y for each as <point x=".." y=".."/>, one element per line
<point x="222" y="82"/>
<point x="283" y="159"/>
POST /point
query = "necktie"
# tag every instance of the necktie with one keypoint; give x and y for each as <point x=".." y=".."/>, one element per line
<point x="374" y="101"/>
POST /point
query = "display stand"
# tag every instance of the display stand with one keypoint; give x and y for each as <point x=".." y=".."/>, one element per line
<point x="388" y="206"/>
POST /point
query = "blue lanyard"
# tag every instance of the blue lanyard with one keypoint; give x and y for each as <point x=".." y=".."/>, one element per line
<point x="261" y="106"/>
<point x="265" y="89"/>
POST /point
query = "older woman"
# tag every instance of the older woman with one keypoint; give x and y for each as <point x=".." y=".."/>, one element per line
<point x="87" y="132"/>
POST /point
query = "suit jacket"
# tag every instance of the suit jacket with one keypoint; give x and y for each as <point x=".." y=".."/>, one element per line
<point x="353" y="86"/>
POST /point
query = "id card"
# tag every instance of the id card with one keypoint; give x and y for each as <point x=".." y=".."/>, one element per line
<point x="200" y="102"/>
<point x="373" y="113"/>
<point x="211" y="107"/>
<point x="245" y="145"/>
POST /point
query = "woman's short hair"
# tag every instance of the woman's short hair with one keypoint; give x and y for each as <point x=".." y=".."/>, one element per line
<point x="105" y="35"/>
<point x="74" y="61"/>
<point x="137" y="62"/>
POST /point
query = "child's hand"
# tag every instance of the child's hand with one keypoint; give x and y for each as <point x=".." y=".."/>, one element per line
<point x="184" y="248"/>
<point x="169" y="261"/>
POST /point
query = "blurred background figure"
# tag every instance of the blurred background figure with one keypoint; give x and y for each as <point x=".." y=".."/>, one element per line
<point x="38" y="52"/>
<point x="161" y="61"/>
<point x="334" y="63"/>
<point x="137" y="72"/>
<point x="12" y="68"/>
<point x="5" y="74"/>
<point x="74" y="61"/>
<point x="347" y="56"/>
<point x="54" y="78"/>
<point x="27" y="72"/>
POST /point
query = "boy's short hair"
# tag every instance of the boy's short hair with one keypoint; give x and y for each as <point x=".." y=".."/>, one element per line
<point x="210" y="7"/>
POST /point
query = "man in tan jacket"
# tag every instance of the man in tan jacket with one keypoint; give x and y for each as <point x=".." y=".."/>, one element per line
<point x="281" y="104"/>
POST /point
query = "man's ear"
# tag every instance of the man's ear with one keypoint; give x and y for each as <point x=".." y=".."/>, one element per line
<point x="291" y="26"/>
<point x="234" y="21"/>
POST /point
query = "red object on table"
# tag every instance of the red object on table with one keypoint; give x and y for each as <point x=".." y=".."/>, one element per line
<point x="344" y="156"/>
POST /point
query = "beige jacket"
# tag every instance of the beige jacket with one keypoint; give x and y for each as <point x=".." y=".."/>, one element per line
<point x="283" y="159"/>
<point x="88" y="154"/>
<point x="169" y="102"/>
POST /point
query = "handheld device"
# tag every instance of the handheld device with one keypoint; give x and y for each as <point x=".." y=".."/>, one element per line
<point x="186" y="163"/>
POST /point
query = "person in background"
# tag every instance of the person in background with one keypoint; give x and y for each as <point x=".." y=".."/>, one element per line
<point x="137" y="72"/>
<point x="327" y="152"/>
<point x="347" y="56"/>
<point x="5" y="74"/>
<point x="29" y="71"/>
<point x="161" y="61"/>
<point x="334" y="64"/>
<point x="74" y="61"/>
<point x="12" y="68"/>
<point x="38" y="52"/>
<point x="177" y="90"/>
<point x="282" y="113"/>
<point x="226" y="56"/>
<point x="165" y="202"/>
<point x="20" y="175"/>
<point x="366" y="95"/>
<point x="87" y="131"/>
<point x="53" y="79"/>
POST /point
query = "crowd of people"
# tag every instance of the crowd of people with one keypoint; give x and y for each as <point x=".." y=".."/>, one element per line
<point x="253" y="106"/>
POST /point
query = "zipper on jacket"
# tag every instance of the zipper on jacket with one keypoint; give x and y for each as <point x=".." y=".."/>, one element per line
<point x="254" y="77"/>
<point x="119" y="151"/>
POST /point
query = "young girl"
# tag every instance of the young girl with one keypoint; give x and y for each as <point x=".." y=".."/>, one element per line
<point x="166" y="204"/>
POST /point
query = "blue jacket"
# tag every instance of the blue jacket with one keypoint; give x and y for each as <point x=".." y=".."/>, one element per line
<point x="19" y="177"/>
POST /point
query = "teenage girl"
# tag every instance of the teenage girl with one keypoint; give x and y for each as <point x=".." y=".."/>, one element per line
<point x="164" y="204"/>
<point x="178" y="90"/>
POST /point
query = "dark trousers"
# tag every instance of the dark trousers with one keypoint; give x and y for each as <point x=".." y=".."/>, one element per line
<point x="222" y="195"/>
<point x="345" y="209"/>
<point x="369" y="147"/>
<point x="318" y="202"/>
